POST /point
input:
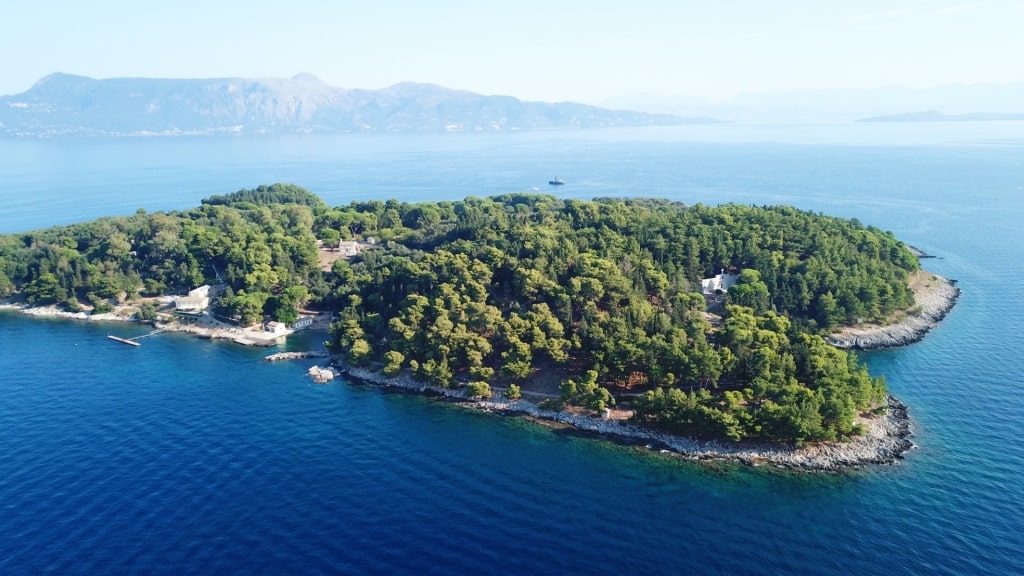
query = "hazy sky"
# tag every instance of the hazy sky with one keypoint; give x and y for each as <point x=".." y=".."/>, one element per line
<point x="553" y="50"/>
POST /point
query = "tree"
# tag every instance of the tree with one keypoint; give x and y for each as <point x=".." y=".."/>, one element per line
<point x="330" y="237"/>
<point x="360" y="352"/>
<point x="828" y="313"/>
<point x="6" y="286"/>
<point x="513" y="392"/>
<point x="586" y="393"/>
<point x="45" y="289"/>
<point x="147" y="312"/>
<point x="478" y="389"/>
<point x="750" y="291"/>
<point x="248" y="306"/>
<point x="393" y="362"/>
<point x="281" y="309"/>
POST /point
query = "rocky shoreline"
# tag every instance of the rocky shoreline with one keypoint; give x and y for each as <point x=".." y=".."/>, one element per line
<point x="205" y="328"/>
<point x="55" y="312"/>
<point x="293" y="356"/>
<point x="935" y="297"/>
<point x="886" y="436"/>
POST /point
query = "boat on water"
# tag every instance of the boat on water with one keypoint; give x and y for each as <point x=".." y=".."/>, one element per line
<point x="556" y="181"/>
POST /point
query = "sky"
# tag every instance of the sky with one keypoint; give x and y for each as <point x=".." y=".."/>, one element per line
<point x="550" y="50"/>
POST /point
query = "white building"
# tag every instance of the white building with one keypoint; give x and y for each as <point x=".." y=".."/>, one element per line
<point x="349" y="247"/>
<point x="196" y="302"/>
<point x="275" y="327"/>
<point x="718" y="285"/>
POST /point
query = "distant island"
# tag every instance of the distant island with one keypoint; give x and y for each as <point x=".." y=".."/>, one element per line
<point x="936" y="116"/>
<point x="64" y="104"/>
<point x="992" y="101"/>
<point x="641" y="318"/>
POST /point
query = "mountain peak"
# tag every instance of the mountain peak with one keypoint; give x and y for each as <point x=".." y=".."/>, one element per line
<point x="60" y="78"/>
<point x="307" y="77"/>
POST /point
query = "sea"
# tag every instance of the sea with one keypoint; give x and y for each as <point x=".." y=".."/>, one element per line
<point x="186" y="456"/>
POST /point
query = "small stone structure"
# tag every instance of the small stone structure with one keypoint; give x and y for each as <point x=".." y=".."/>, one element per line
<point x="349" y="247"/>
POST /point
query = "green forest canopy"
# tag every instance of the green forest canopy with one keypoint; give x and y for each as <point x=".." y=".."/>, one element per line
<point x="264" y="195"/>
<point x="603" y="294"/>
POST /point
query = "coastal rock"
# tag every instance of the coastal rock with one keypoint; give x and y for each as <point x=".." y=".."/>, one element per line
<point x="322" y="375"/>
<point x="293" y="356"/>
<point x="918" y="253"/>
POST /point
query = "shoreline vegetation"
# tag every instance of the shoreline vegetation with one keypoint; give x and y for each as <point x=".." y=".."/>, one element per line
<point x="934" y="295"/>
<point x="885" y="438"/>
<point x="721" y="323"/>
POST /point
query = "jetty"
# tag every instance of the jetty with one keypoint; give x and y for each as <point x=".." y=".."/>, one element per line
<point x="123" y="340"/>
<point x="133" y="341"/>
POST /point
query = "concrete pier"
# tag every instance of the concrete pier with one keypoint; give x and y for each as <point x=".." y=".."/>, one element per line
<point x="123" y="340"/>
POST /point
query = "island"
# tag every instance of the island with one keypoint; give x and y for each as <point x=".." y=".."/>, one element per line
<point x="708" y="331"/>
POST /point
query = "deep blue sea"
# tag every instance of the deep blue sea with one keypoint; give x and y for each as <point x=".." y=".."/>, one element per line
<point x="189" y="456"/>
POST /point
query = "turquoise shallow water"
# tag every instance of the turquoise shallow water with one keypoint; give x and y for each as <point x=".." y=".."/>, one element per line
<point x="191" y="456"/>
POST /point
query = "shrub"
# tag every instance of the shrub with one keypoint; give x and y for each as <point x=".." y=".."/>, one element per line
<point x="478" y="389"/>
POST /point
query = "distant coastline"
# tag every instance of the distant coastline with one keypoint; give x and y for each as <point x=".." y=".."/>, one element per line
<point x="936" y="116"/>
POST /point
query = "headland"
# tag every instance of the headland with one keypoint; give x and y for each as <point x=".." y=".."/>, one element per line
<point x="934" y="296"/>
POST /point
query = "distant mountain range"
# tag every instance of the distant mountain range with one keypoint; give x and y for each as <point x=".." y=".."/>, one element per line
<point x="64" y="104"/>
<point x="960" y="102"/>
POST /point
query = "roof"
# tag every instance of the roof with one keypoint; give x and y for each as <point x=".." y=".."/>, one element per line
<point x="721" y="282"/>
